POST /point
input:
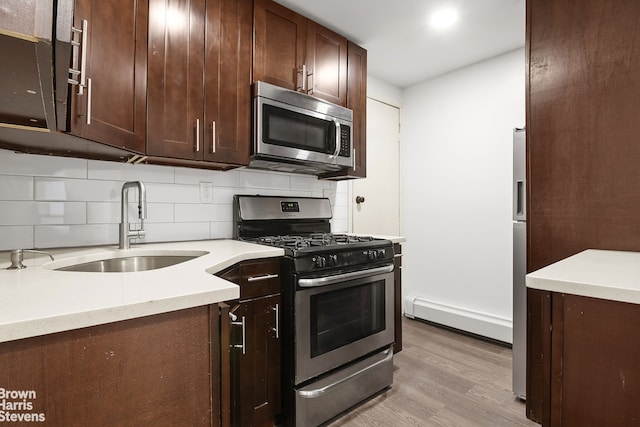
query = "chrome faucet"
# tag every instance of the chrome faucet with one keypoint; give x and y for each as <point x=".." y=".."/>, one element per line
<point x="126" y="234"/>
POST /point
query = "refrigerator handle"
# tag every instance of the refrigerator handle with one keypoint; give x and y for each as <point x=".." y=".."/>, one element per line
<point x="520" y="198"/>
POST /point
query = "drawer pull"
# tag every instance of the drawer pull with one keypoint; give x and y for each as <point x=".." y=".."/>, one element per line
<point x="265" y="277"/>
<point x="242" y="323"/>
<point x="276" y="309"/>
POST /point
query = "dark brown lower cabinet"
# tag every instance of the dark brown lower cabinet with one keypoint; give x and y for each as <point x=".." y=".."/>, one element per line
<point x="156" y="370"/>
<point x="583" y="365"/>
<point x="255" y="344"/>
<point x="397" y="314"/>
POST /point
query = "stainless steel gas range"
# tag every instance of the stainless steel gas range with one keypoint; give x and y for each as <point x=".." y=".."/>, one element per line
<point x="337" y="324"/>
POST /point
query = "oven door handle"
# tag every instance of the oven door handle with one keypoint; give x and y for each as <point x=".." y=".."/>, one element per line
<point x="329" y="280"/>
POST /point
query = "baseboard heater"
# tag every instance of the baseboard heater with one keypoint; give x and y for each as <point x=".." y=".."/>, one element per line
<point x="487" y="325"/>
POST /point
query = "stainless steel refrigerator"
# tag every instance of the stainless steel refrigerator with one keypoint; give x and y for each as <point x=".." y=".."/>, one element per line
<point x="519" y="265"/>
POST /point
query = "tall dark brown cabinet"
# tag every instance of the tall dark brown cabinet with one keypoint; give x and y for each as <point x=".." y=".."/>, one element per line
<point x="583" y="133"/>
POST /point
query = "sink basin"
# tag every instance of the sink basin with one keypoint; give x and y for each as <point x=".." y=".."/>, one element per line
<point x="131" y="263"/>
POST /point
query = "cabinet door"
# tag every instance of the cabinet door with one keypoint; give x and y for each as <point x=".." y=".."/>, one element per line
<point x="148" y="371"/>
<point x="227" y="109"/>
<point x="256" y="384"/>
<point x="112" y="107"/>
<point x="356" y="101"/>
<point x="326" y="64"/>
<point x="175" y="85"/>
<point x="280" y="36"/>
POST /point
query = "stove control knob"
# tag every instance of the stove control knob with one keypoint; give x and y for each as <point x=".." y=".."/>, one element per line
<point x="319" y="261"/>
<point x="333" y="260"/>
<point x="372" y="255"/>
<point x="381" y="253"/>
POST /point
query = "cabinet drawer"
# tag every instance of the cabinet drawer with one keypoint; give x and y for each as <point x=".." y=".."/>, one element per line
<point x="259" y="278"/>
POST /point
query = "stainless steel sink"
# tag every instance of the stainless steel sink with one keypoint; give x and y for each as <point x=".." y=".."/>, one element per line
<point x="129" y="264"/>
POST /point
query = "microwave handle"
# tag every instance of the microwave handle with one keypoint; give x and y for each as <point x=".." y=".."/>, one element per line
<point x="337" y="151"/>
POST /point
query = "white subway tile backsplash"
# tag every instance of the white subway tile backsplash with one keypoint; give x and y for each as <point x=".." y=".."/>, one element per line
<point x="222" y="213"/>
<point x="103" y="213"/>
<point x="176" y="231"/>
<point x="306" y="183"/>
<point x="342" y="186"/>
<point x="224" y="195"/>
<point x="267" y="180"/>
<point x="61" y="213"/>
<point x="195" y="212"/>
<point x="165" y="193"/>
<point x="114" y="171"/>
<point x="222" y="230"/>
<point x="35" y="165"/>
<point x="339" y="226"/>
<point x="17" y="213"/>
<point x="217" y="178"/>
<point x="77" y="190"/>
<point x="48" y="201"/>
<point x="14" y="187"/>
<point x="342" y="200"/>
<point x="158" y="212"/>
<point x="48" y="236"/>
<point x="16" y="237"/>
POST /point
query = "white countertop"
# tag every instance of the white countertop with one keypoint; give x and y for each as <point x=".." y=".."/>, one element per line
<point x="394" y="239"/>
<point x="38" y="300"/>
<point x="612" y="275"/>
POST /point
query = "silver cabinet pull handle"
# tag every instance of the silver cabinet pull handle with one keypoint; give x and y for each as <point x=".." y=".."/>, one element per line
<point x="277" y="313"/>
<point x="355" y="163"/>
<point x="88" y="101"/>
<point x="304" y="78"/>
<point x="259" y="278"/>
<point x="242" y="323"/>
<point x="213" y="137"/>
<point x="310" y="87"/>
<point x="74" y="71"/>
<point x="197" y="135"/>
<point x="79" y="76"/>
<point x="83" y="57"/>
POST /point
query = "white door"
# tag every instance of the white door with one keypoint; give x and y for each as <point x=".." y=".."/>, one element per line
<point x="375" y="200"/>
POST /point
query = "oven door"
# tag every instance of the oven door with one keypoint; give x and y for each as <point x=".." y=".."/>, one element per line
<point x="341" y="318"/>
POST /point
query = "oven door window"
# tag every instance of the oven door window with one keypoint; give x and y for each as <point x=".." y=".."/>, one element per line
<point x="343" y="316"/>
<point x="292" y="129"/>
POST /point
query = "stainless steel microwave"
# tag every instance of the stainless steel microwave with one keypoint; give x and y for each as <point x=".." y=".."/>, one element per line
<point x="296" y="132"/>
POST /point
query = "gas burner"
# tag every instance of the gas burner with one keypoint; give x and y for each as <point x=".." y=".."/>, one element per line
<point x="313" y="240"/>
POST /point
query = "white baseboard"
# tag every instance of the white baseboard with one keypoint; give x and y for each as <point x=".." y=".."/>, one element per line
<point x="486" y="325"/>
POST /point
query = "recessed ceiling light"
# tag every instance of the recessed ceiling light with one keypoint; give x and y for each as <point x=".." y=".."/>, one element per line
<point x="444" y="18"/>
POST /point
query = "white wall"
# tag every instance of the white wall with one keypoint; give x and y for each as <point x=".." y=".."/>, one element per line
<point x="383" y="91"/>
<point x="457" y="167"/>
<point x="48" y="201"/>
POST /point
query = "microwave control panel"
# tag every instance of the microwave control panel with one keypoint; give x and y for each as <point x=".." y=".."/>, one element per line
<point x="345" y="141"/>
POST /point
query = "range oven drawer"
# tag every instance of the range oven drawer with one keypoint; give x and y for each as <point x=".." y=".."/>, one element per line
<point x="322" y="400"/>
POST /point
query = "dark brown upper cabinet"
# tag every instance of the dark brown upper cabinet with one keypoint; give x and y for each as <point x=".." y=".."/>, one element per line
<point x="108" y="104"/>
<point x="199" y="95"/>
<point x="294" y="52"/>
<point x="356" y="101"/>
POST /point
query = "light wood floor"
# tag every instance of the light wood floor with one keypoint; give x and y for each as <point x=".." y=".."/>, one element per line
<point x="445" y="379"/>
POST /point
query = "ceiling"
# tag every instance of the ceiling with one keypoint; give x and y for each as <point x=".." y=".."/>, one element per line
<point x="403" y="50"/>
